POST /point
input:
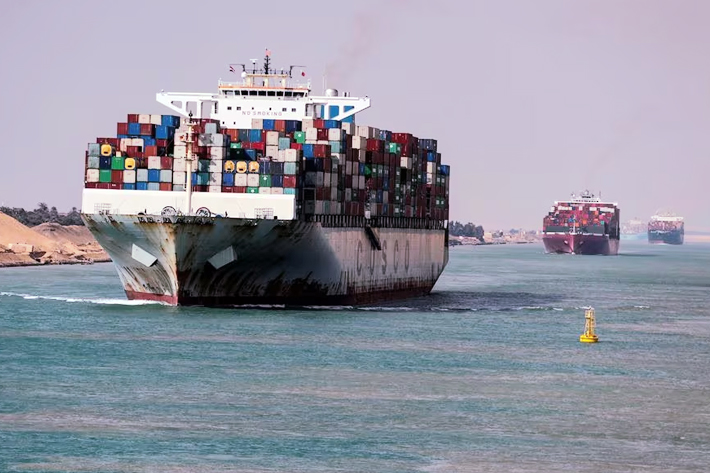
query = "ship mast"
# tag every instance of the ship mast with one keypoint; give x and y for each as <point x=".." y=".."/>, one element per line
<point x="189" y="159"/>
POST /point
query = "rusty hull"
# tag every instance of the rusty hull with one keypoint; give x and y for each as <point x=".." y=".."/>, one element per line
<point x="224" y="262"/>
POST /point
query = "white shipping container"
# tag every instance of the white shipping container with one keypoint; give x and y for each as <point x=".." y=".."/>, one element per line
<point x="143" y="118"/>
<point x="216" y="166"/>
<point x="361" y="182"/>
<point x="405" y="162"/>
<point x="129" y="177"/>
<point x="291" y="155"/>
<point x="123" y="143"/>
<point x="323" y="142"/>
<point x="92" y="175"/>
<point x="141" y="175"/>
<point x="240" y="180"/>
<point x="180" y="151"/>
<point x="306" y="124"/>
<point x="214" y="188"/>
<point x="277" y="190"/>
<point x="364" y="131"/>
<point x="319" y="206"/>
<point x="349" y="128"/>
<point x="219" y="139"/>
<point x="385" y="197"/>
<point x="179" y="177"/>
<point x="312" y="134"/>
<point x="264" y="190"/>
<point x="282" y="156"/>
<point x="348" y="167"/>
<point x="137" y="142"/>
<point x="272" y="138"/>
<point x="319" y="179"/>
<point x="166" y="175"/>
<point x="156" y="119"/>
<point x="215" y="179"/>
<point x="217" y="152"/>
<point x="178" y="187"/>
<point x="335" y="134"/>
<point x="348" y="194"/>
<point x="272" y="151"/>
<point x="333" y="193"/>
<point x="252" y="180"/>
<point x="153" y="162"/>
<point x="334" y="180"/>
<point x="257" y="124"/>
<point x="179" y="165"/>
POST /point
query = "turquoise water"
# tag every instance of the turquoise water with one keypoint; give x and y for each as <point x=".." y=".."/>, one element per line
<point x="485" y="375"/>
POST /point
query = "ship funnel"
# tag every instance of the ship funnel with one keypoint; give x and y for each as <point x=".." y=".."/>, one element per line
<point x="331" y="93"/>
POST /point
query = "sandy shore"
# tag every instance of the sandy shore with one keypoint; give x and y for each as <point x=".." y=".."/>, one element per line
<point x="49" y="243"/>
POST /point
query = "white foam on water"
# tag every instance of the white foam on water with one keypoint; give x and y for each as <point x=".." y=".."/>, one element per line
<point x="101" y="301"/>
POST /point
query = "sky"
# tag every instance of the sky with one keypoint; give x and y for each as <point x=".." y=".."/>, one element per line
<point x="530" y="101"/>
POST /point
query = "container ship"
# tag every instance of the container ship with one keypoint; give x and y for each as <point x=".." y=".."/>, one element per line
<point x="666" y="228"/>
<point x="634" y="229"/>
<point x="583" y="225"/>
<point x="263" y="193"/>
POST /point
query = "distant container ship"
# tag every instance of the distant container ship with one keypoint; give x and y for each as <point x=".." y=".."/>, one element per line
<point x="583" y="225"/>
<point x="634" y="229"/>
<point x="666" y="228"/>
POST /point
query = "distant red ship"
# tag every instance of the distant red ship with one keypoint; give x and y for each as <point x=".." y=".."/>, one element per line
<point x="583" y="225"/>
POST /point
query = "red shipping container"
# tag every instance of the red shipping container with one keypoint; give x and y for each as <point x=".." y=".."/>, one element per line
<point x="122" y="128"/>
<point x="318" y="123"/>
<point x="322" y="193"/>
<point x="115" y="185"/>
<point x="240" y="189"/>
<point x="117" y="176"/>
<point x="228" y="189"/>
<point x="91" y="185"/>
<point x="161" y="143"/>
<point x="166" y="186"/>
<point x="321" y="151"/>
<point x="103" y="185"/>
<point x="373" y="144"/>
<point x="132" y="118"/>
<point x="200" y="188"/>
<point x="348" y="181"/>
<point x="151" y="151"/>
<point x="322" y="134"/>
<point x="327" y="164"/>
<point x="166" y="162"/>
<point x="401" y="138"/>
<point x="280" y="125"/>
<point x="147" y="129"/>
<point x="260" y="145"/>
<point x="290" y="181"/>
<point x="298" y="146"/>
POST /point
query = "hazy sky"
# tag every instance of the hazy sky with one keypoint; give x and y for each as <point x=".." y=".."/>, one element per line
<point x="530" y="99"/>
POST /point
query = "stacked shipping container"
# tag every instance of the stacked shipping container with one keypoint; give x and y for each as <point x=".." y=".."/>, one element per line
<point x="334" y="168"/>
<point x="566" y="215"/>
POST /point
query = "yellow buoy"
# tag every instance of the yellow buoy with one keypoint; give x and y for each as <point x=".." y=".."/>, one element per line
<point x="589" y="325"/>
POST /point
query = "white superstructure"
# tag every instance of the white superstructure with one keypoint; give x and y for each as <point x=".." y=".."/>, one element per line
<point x="263" y="93"/>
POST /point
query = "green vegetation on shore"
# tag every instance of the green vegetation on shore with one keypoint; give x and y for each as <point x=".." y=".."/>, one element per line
<point x="468" y="230"/>
<point x="43" y="214"/>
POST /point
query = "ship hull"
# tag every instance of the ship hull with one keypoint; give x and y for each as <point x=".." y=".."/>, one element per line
<point x="634" y="236"/>
<point x="665" y="237"/>
<point x="226" y="262"/>
<point x="580" y="244"/>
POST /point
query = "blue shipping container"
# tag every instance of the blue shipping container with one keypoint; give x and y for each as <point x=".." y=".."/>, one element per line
<point x="431" y="156"/>
<point x="252" y="154"/>
<point x="277" y="168"/>
<point x="153" y="186"/>
<point x="269" y="125"/>
<point x="134" y="129"/>
<point x="149" y="141"/>
<point x="255" y="136"/>
<point x="163" y="132"/>
<point x="142" y="186"/>
<point x="293" y="125"/>
<point x="243" y="135"/>
<point x="308" y="151"/>
<point x="445" y="169"/>
<point x="332" y="123"/>
<point x="105" y="162"/>
<point x="277" y="181"/>
<point x="170" y="120"/>
<point x="153" y="175"/>
<point x="289" y="191"/>
<point x="284" y="143"/>
<point x="265" y="167"/>
<point x="290" y="168"/>
<point x="228" y="179"/>
<point x="129" y="187"/>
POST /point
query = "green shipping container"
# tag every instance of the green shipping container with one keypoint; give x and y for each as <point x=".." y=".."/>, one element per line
<point x="252" y="190"/>
<point x="117" y="163"/>
<point x="395" y="148"/>
<point x="300" y="137"/>
<point x="236" y="145"/>
<point x="265" y="180"/>
<point x="105" y="175"/>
